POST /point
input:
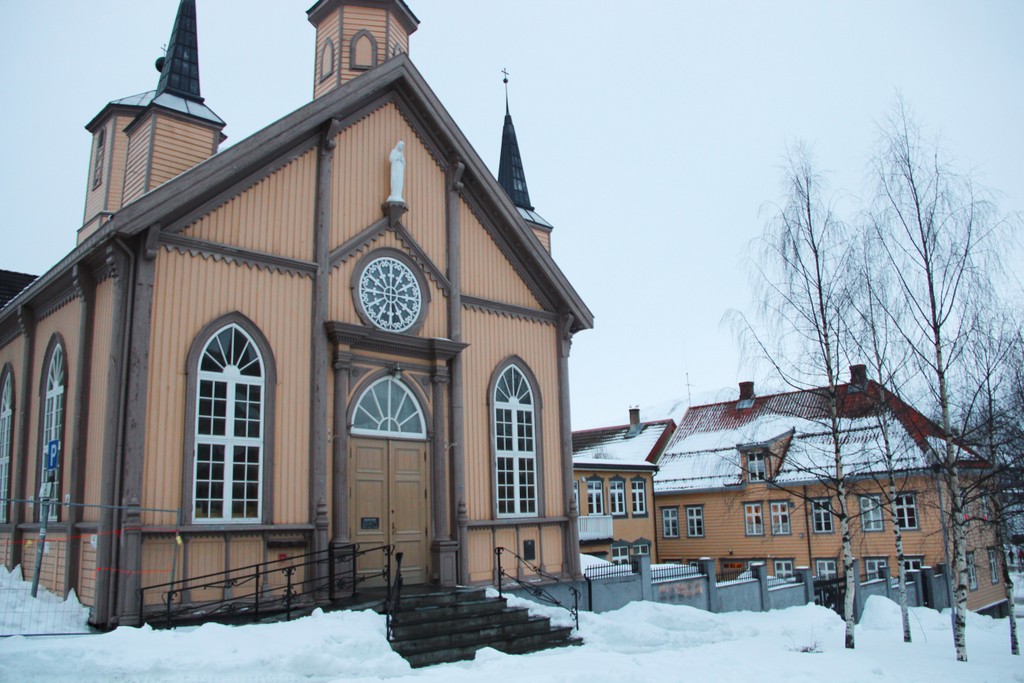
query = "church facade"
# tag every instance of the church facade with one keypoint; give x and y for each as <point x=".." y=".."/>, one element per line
<point x="342" y="330"/>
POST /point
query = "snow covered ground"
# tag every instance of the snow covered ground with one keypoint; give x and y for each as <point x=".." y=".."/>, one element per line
<point x="643" y="641"/>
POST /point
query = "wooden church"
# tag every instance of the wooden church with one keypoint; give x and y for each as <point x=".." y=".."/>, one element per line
<point x="341" y="331"/>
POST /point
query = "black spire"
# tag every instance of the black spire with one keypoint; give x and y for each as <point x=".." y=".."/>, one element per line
<point x="179" y="74"/>
<point x="510" y="166"/>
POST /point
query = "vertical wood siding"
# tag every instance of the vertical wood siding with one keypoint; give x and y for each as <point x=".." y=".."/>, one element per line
<point x="117" y="168"/>
<point x="189" y="292"/>
<point x="355" y="19"/>
<point x="486" y="273"/>
<point x="95" y="196"/>
<point x="362" y="181"/>
<point x="97" y="399"/>
<point x="326" y="30"/>
<point x="544" y="237"/>
<point x="177" y="147"/>
<point x="493" y="339"/>
<point x="137" y="161"/>
<point x="274" y="216"/>
<point x="341" y="306"/>
<point x="86" y="571"/>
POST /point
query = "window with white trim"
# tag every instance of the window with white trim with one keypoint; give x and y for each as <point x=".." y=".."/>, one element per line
<point x="821" y="513"/>
<point x="993" y="565"/>
<point x="906" y="511"/>
<point x="972" y="572"/>
<point x="695" y="521"/>
<point x="228" y="466"/>
<point x="783" y="569"/>
<point x="639" y="491"/>
<point x="6" y="430"/>
<point x="911" y="563"/>
<point x="825" y="569"/>
<point x="576" y="493"/>
<point x="620" y="554"/>
<point x="871" y="513"/>
<point x="388" y="408"/>
<point x="617" y="497"/>
<point x="53" y="427"/>
<point x="670" y="522"/>
<point x="595" y="496"/>
<point x="641" y="549"/>
<point x="753" y="521"/>
<point x="515" y="443"/>
<point x="874" y="567"/>
<point x="756" y="467"/>
<point x="780" y="518"/>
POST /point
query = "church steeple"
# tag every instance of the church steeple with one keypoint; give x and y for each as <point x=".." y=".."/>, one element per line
<point x="179" y="70"/>
<point x="511" y="176"/>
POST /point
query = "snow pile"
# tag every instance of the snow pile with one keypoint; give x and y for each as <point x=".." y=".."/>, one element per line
<point x="46" y="613"/>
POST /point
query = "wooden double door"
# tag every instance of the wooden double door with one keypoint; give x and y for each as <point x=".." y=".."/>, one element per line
<point x="390" y="503"/>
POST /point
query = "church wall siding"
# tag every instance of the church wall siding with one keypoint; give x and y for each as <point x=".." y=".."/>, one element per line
<point x="354" y="20"/>
<point x="327" y="30"/>
<point x="362" y="182"/>
<point x="486" y="273"/>
<point x="120" y="152"/>
<point x="102" y="352"/>
<point x="95" y="197"/>
<point x="189" y="293"/>
<point x="274" y="216"/>
<point x="177" y="147"/>
<point x="136" y="166"/>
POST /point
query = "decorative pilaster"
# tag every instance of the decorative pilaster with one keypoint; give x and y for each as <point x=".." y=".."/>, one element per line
<point x="457" y="432"/>
<point x="443" y="549"/>
<point x="19" y="466"/>
<point x="339" y="440"/>
<point x="572" y="533"/>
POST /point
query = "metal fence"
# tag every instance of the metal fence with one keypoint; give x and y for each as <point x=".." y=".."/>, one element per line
<point x="670" y="572"/>
<point x="611" y="571"/>
<point x="45" y="614"/>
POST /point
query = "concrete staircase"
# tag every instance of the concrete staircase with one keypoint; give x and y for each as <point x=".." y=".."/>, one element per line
<point x="433" y="628"/>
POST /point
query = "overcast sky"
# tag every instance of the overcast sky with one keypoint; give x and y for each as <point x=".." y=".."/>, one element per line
<point x="652" y="133"/>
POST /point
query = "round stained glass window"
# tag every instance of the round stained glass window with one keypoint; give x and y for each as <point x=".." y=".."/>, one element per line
<point x="389" y="294"/>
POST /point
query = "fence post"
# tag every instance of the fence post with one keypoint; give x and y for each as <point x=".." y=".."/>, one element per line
<point x="761" y="574"/>
<point x="805" y="577"/>
<point x="928" y="587"/>
<point x="643" y="567"/>
<point x="913" y="578"/>
<point x="707" y="568"/>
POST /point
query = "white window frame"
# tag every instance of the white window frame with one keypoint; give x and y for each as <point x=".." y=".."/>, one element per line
<point x="641" y="549"/>
<point x="915" y="562"/>
<point x="872" y="565"/>
<point x="638" y="489"/>
<point x="695" y="521"/>
<point x="753" y="519"/>
<point x="595" y="496"/>
<point x="53" y="425"/>
<point x="821" y="514"/>
<point x="515" y="443"/>
<point x="972" y="572"/>
<point x="237" y="444"/>
<point x="670" y="522"/>
<point x="388" y="408"/>
<point x="757" y="466"/>
<point x="993" y="565"/>
<point x="906" y="511"/>
<point x="783" y="569"/>
<point x="781" y="523"/>
<point x="620" y="554"/>
<point x="6" y="439"/>
<point x="826" y="568"/>
<point x="871" y="518"/>
<point x="617" y="497"/>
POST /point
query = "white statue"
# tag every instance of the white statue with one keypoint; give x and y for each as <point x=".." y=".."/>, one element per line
<point x="397" y="159"/>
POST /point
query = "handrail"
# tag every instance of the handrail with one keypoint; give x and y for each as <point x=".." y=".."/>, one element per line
<point x="246" y="593"/>
<point x="537" y="591"/>
<point x="393" y="601"/>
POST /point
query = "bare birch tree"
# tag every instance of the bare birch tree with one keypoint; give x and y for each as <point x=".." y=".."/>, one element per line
<point x="935" y="229"/>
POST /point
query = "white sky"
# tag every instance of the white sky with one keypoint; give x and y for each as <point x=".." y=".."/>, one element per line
<point x="651" y="136"/>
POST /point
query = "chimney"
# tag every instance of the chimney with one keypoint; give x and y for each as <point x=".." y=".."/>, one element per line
<point x="746" y="391"/>
<point x="634" y="422"/>
<point x="859" y="376"/>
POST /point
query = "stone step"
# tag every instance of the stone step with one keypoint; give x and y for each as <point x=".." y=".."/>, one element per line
<point x="417" y="601"/>
<point x="405" y="629"/>
<point x="441" y="613"/>
<point x="484" y="636"/>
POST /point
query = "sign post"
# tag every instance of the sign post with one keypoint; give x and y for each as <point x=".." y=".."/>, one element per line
<point x="51" y="457"/>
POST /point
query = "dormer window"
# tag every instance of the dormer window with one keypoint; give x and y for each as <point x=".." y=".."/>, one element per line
<point x="756" y="467"/>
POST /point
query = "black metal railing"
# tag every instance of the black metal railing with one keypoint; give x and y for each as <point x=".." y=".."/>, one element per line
<point x="735" y="575"/>
<point x="537" y="590"/>
<point x="784" y="580"/>
<point x="394" y="599"/>
<point x="677" y="571"/>
<point x="612" y="570"/>
<point x="267" y="589"/>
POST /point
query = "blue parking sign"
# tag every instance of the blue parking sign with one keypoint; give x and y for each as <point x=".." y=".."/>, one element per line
<point x="52" y="450"/>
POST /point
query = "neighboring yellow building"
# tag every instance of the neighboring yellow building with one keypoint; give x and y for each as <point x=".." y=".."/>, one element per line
<point x="614" y="469"/>
<point x="342" y="330"/>
<point x="747" y="481"/>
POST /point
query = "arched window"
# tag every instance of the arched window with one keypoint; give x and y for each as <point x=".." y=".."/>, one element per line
<point x="363" y="51"/>
<point x="327" y="60"/>
<point x="389" y="408"/>
<point x="98" y="156"/>
<point x="53" y="429"/>
<point x="229" y="429"/>
<point x="515" y="444"/>
<point x="6" y="431"/>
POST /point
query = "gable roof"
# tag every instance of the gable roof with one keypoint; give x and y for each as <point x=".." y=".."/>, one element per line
<point x="707" y="449"/>
<point x="622" y="444"/>
<point x="397" y="78"/>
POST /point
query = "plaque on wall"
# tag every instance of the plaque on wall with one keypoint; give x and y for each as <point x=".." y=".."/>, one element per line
<point x="369" y="523"/>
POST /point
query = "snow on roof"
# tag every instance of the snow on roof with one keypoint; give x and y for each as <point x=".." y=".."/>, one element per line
<point x="620" y="444"/>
